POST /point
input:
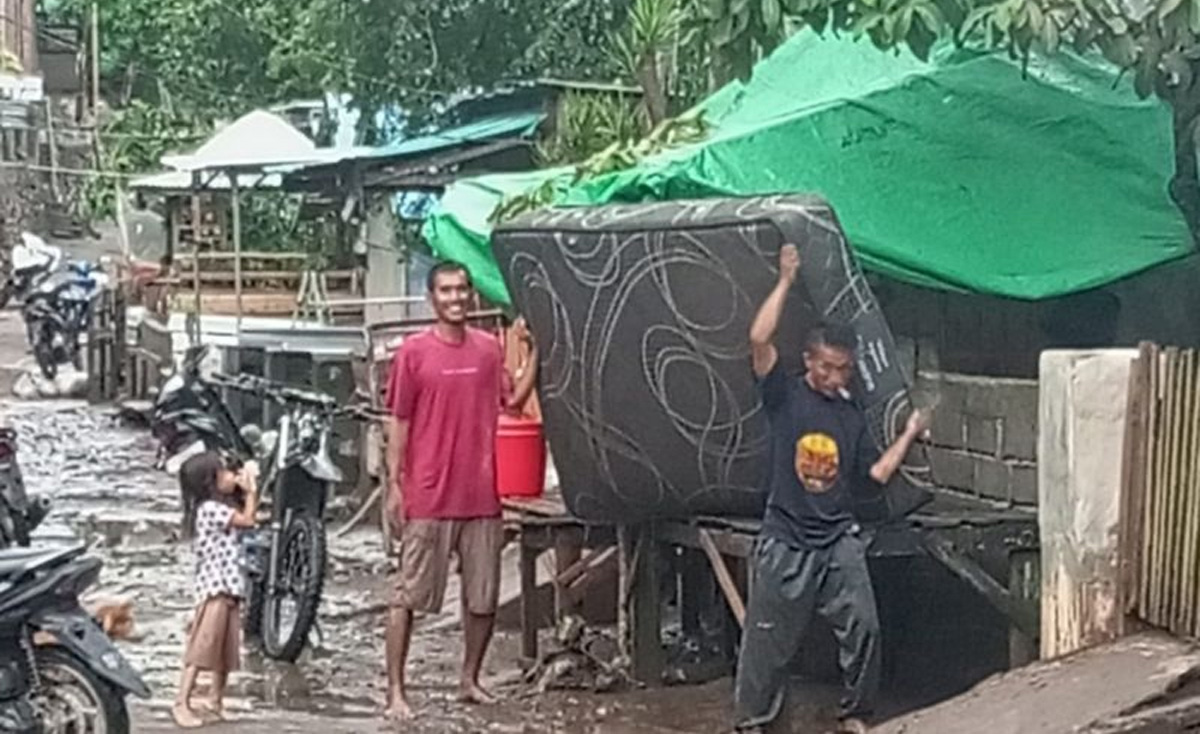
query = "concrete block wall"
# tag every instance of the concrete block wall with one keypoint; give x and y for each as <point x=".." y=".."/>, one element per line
<point x="984" y="435"/>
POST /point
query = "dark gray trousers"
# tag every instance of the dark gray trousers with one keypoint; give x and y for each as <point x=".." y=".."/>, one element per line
<point x="790" y="584"/>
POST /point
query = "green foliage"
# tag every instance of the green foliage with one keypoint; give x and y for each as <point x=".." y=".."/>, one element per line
<point x="134" y="138"/>
<point x="618" y="156"/>
<point x="587" y="123"/>
<point x="652" y="37"/>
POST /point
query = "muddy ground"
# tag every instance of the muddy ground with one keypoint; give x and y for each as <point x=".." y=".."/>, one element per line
<point x="107" y="493"/>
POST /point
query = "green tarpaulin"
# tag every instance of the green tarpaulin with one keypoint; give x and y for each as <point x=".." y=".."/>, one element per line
<point x="958" y="173"/>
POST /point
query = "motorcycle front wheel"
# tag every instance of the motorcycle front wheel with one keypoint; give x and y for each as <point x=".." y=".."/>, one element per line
<point x="290" y="609"/>
<point x="74" y="700"/>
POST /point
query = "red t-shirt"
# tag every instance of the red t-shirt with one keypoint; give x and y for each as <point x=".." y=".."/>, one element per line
<point x="451" y="395"/>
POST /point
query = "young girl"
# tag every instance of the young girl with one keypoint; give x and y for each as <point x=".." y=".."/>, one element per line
<point x="217" y="502"/>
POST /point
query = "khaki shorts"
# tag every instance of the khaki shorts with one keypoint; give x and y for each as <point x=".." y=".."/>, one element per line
<point x="426" y="548"/>
<point x="215" y="638"/>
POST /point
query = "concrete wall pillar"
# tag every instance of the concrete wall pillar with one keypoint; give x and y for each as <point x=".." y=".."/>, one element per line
<point x="1082" y="407"/>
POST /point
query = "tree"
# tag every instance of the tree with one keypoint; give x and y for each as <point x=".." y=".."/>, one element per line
<point x="1157" y="42"/>
<point x="655" y="30"/>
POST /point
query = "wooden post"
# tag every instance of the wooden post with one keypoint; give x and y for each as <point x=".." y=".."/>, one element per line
<point x="237" y="248"/>
<point x="120" y="347"/>
<point x="52" y="145"/>
<point x="1025" y="578"/>
<point x="639" y="622"/>
<point x="695" y="589"/>
<point x="568" y="549"/>
<point x="529" y="600"/>
<point x="1134" y="467"/>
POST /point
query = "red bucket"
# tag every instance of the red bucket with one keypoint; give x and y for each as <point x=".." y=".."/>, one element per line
<point x="520" y="457"/>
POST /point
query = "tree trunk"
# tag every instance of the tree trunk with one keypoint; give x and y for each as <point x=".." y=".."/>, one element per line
<point x="654" y="96"/>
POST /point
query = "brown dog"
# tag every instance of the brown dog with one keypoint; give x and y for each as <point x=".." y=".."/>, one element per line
<point x="115" y="618"/>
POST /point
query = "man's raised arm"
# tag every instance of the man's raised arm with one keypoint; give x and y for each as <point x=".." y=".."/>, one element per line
<point x="762" y="331"/>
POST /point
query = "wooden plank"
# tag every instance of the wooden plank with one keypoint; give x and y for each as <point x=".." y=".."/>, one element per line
<point x="1168" y="602"/>
<point x="724" y="579"/>
<point x="1179" y="561"/>
<point x="246" y="256"/>
<point x="224" y="276"/>
<point x="274" y="303"/>
<point x="1021" y="616"/>
<point x="1149" y="496"/>
<point x="580" y="568"/>
<point x="1191" y="571"/>
<point x="1133" y="477"/>
<point x="731" y="543"/>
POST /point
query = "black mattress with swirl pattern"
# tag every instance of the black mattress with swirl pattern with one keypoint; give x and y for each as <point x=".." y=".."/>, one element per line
<point x="642" y="313"/>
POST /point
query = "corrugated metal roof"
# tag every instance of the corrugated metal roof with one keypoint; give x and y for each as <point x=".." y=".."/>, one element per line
<point x="520" y="124"/>
<point x="181" y="182"/>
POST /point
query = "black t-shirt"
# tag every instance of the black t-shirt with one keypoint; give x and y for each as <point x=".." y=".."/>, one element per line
<point x="821" y="454"/>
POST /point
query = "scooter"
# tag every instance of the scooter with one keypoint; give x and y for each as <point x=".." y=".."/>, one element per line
<point x="33" y="261"/>
<point x="59" y="672"/>
<point x="58" y="311"/>
<point x="189" y="416"/>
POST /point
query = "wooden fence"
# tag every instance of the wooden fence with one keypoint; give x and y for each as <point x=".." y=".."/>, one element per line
<point x="1160" y="534"/>
<point x="105" y="355"/>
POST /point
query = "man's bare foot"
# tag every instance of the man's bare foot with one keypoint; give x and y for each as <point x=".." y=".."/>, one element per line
<point x="474" y="693"/>
<point x="851" y="725"/>
<point x="398" y="708"/>
<point x="184" y="717"/>
<point x="210" y="711"/>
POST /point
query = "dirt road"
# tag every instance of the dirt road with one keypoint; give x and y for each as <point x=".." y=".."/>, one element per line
<point x="107" y="493"/>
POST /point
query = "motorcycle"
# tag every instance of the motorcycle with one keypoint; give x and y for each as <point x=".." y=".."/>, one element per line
<point x="189" y="416"/>
<point x="288" y="557"/>
<point x="33" y="261"/>
<point x="59" y="672"/>
<point x="19" y="514"/>
<point x="57" y="312"/>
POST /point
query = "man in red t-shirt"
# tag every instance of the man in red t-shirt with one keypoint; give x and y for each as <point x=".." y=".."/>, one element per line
<point x="447" y="388"/>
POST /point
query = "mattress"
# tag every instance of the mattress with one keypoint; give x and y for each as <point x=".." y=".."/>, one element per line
<point x="642" y="314"/>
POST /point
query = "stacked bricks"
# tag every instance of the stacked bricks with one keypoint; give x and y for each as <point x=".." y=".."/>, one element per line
<point x="984" y="435"/>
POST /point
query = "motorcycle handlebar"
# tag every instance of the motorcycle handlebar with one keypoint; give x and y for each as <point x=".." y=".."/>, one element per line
<point x="284" y="394"/>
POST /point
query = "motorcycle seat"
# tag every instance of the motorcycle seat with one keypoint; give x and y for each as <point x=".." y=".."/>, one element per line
<point x="17" y="561"/>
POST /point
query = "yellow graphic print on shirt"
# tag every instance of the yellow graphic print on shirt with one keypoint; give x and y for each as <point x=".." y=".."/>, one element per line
<point x="817" y="462"/>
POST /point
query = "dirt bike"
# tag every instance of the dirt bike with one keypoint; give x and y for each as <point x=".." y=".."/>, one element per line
<point x="288" y="556"/>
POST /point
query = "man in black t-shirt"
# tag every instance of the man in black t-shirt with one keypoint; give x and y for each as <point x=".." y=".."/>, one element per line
<point x="810" y="557"/>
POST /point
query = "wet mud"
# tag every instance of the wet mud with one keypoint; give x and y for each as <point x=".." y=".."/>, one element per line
<point x="107" y="494"/>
